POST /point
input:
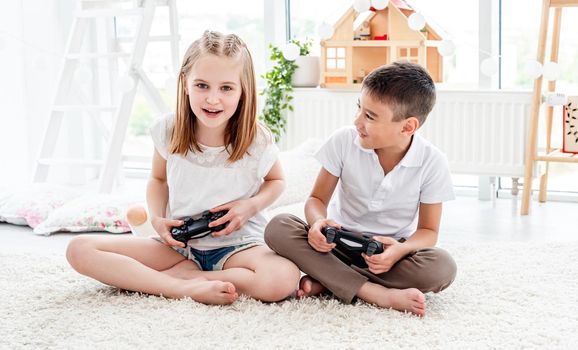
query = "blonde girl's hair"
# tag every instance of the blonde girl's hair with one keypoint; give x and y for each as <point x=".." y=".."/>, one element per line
<point x="241" y="128"/>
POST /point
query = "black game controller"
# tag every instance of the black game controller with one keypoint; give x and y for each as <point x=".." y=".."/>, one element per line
<point x="352" y="241"/>
<point x="197" y="228"/>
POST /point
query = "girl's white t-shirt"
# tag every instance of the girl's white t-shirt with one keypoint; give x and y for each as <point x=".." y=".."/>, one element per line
<point x="201" y="181"/>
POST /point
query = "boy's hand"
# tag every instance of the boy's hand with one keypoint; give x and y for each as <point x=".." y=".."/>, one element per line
<point x="392" y="253"/>
<point x="163" y="227"/>
<point x="239" y="213"/>
<point x="316" y="239"/>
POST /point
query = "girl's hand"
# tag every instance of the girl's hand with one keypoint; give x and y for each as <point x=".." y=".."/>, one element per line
<point x="392" y="253"/>
<point x="239" y="213"/>
<point x="316" y="239"/>
<point x="163" y="227"/>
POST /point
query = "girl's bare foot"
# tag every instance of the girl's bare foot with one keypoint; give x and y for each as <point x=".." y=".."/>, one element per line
<point x="210" y="292"/>
<point x="410" y="300"/>
<point x="309" y="287"/>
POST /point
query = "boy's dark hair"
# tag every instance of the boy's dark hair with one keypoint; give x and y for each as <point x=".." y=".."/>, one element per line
<point x="406" y="87"/>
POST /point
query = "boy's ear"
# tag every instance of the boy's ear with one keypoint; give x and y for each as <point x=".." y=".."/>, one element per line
<point x="410" y="126"/>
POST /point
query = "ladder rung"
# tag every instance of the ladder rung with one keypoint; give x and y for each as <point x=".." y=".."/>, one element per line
<point x="151" y="38"/>
<point x="71" y="161"/>
<point x="68" y="108"/>
<point x="109" y="13"/>
<point x="93" y="55"/>
<point x="137" y="159"/>
<point x="91" y="2"/>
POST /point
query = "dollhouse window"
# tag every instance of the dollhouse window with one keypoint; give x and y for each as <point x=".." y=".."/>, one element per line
<point x="335" y="58"/>
<point x="410" y="54"/>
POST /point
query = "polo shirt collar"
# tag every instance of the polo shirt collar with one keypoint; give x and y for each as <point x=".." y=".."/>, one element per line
<point x="414" y="155"/>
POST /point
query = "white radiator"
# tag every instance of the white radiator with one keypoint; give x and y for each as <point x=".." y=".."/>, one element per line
<point x="481" y="132"/>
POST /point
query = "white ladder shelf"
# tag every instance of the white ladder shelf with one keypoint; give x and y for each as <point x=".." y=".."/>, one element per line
<point x="70" y="100"/>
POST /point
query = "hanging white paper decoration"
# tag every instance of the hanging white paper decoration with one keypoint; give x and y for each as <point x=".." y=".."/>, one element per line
<point x="361" y="5"/>
<point x="533" y="69"/>
<point x="416" y="21"/>
<point x="379" y="4"/>
<point x="325" y="31"/>
<point x="447" y="48"/>
<point x="291" y="51"/>
<point x="489" y="66"/>
<point x="551" y="71"/>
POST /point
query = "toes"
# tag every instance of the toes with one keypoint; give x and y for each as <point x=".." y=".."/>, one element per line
<point x="231" y="288"/>
<point x="307" y="286"/>
<point x="228" y="298"/>
<point x="226" y="287"/>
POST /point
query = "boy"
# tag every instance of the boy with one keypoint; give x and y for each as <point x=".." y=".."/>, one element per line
<point x="389" y="182"/>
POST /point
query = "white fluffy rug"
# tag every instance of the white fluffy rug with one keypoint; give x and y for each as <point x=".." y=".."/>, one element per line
<point x="505" y="296"/>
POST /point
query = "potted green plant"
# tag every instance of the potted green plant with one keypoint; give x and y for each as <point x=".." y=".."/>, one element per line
<point x="279" y="87"/>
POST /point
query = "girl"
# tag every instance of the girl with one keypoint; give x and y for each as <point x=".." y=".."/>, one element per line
<point x="211" y="155"/>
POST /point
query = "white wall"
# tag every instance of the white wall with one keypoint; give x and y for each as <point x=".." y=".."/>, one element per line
<point x="34" y="33"/>
<point x="13" y="147"/>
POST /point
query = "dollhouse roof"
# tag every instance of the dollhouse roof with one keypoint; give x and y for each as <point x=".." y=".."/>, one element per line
<point x="407" y="10"/>
<point x="401" y="5"/>
<point x="362" y="17"/>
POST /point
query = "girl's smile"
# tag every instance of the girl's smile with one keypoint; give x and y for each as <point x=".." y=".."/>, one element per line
<point x="212" y="112"/>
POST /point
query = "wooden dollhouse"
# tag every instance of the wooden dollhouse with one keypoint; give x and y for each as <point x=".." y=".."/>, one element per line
<point x="364" y="41"/>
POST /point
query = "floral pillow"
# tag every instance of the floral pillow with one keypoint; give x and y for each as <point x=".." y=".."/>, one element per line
<point x="32" y="204"/>
<point x="96" y="212"/>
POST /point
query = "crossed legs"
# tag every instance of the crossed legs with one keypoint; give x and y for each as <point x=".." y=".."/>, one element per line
<point x="137" y="264"/>
<point x="257" y="272"/>
<point x="401" y="288"/>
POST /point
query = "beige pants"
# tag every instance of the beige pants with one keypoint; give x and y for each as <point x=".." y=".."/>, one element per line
<point x="429" y="270"/>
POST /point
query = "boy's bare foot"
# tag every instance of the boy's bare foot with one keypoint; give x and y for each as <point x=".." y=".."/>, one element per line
<point x="309" y="287"/>
<point x="210" y="292"/>
<point x="410" y="300"/>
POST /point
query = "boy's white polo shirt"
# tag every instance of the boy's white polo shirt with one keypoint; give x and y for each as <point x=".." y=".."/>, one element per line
<point x="365" y="200"/>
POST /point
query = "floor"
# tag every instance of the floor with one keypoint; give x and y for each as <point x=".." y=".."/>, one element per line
<point x="465" y="219"/>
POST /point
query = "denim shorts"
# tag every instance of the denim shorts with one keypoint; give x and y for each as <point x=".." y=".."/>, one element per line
<point x="214" y="259"/>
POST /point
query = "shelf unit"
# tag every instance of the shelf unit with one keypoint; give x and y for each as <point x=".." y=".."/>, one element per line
<point x="550" y="154"/>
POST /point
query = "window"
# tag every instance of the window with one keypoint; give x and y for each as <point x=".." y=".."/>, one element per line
<point x="520" y="45"/>
<point x="408" y="53"/>
<point x="245" y="19"/>
<point x="306" y="16"/>
<point x="461" y="69"/>
<point x="336" y="58"/>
